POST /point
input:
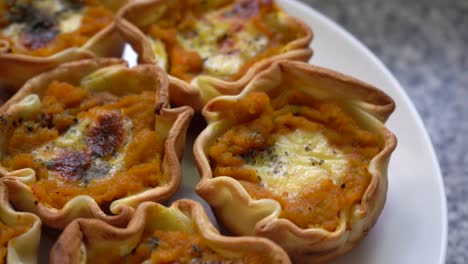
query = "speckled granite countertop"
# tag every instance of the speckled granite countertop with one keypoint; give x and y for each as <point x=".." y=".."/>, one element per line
<point x="425" y="44"/>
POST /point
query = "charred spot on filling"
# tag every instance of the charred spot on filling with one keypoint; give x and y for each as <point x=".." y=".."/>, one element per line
<point x="40" y="28"/>
<point x="246" y="9"/>
<point x="98" y="169"/>
<point x="106" y="135"/>
<point x="39" y="33"/>
<point x="18" y="11"/>
<point x="153" y="242"/>
<point x="46" y="121"/>
<point x="196" y="250"/>
<point x="70" y="165"/>
<point x="38" y="39"/>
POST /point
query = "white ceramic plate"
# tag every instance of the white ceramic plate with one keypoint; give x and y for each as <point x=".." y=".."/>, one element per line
<point x="413" y="224"/>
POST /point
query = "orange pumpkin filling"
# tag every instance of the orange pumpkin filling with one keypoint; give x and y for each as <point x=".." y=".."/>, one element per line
<point x="262" y="122"/>
<point x="83" y="143"/>
<point x="7" y="233"/>
<point x="170" y="246"/>
<point x="41" y="36"/>
<point x="194" y="32"/>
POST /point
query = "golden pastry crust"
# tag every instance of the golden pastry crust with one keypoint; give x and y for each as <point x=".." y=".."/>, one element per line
<point x="16" y="69"/>
<point x="24" y="247"/>
<point x="89" y="238"/>
<point x="204" y="86"/>
<point x="369" y="107"/>
<point x="98" y="75"/>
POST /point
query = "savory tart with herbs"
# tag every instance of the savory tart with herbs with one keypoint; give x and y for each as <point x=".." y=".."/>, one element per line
<point x="181" y="233"/>
<point x="20" y="233"/>
<point x="304" y="166"/>
<point x="36" y="35"/>
<point x="91" y="136"/>
<point x="216" y="46"/>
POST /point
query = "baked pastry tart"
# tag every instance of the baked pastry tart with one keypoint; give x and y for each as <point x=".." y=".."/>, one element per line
<point x="181" y="233"/>
<point x="89" y="137"/>
<point x="300" y="157"/>
<point x="38" y="35"/>
<point x="20" y="233"/>
<point x="213" y="47"/>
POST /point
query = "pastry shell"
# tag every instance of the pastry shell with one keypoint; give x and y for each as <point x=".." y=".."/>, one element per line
<point x="114" y="76"/>
<point x="16" y="69"/>
<point x="204" y="87"/>
<point x="228" y="197"/>
<point x="23" y="248"/>
<point x="85" y="237"/>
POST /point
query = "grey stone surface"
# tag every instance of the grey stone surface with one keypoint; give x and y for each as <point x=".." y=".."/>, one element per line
<point x="425" y="45"/>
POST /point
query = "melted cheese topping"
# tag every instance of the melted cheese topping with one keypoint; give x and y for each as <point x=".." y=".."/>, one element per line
<point x="159" y="48"/>
<point x="223" y="64"/>
<point x="298" y="159"/>
<point x="68" y="20"/>
<point x="13" y="30"/>
<point x="204" y="37"/>
<point x="248" y="43"/>
<point x="220" y="41"/>
<point x="51" y="6"/>
<point x="72" y="138"/>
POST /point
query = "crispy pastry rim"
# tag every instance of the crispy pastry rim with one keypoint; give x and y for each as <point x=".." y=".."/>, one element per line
<point x="112" y="75"/>
<point x="23" y="248"/>
<point x="202" y="89"/>
<point x="85" y="236"/>
<point x="16" y="69"/>
<point x="228" y="198"/>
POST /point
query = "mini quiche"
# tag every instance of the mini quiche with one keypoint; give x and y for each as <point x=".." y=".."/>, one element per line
<point x="20" y="233"/>
<point x="215" y="46"/>
<point x="300" y="157"/>
<point x="89" y="137"/>
<point x="38" y="35"/>
<point x="181" y="233"/>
